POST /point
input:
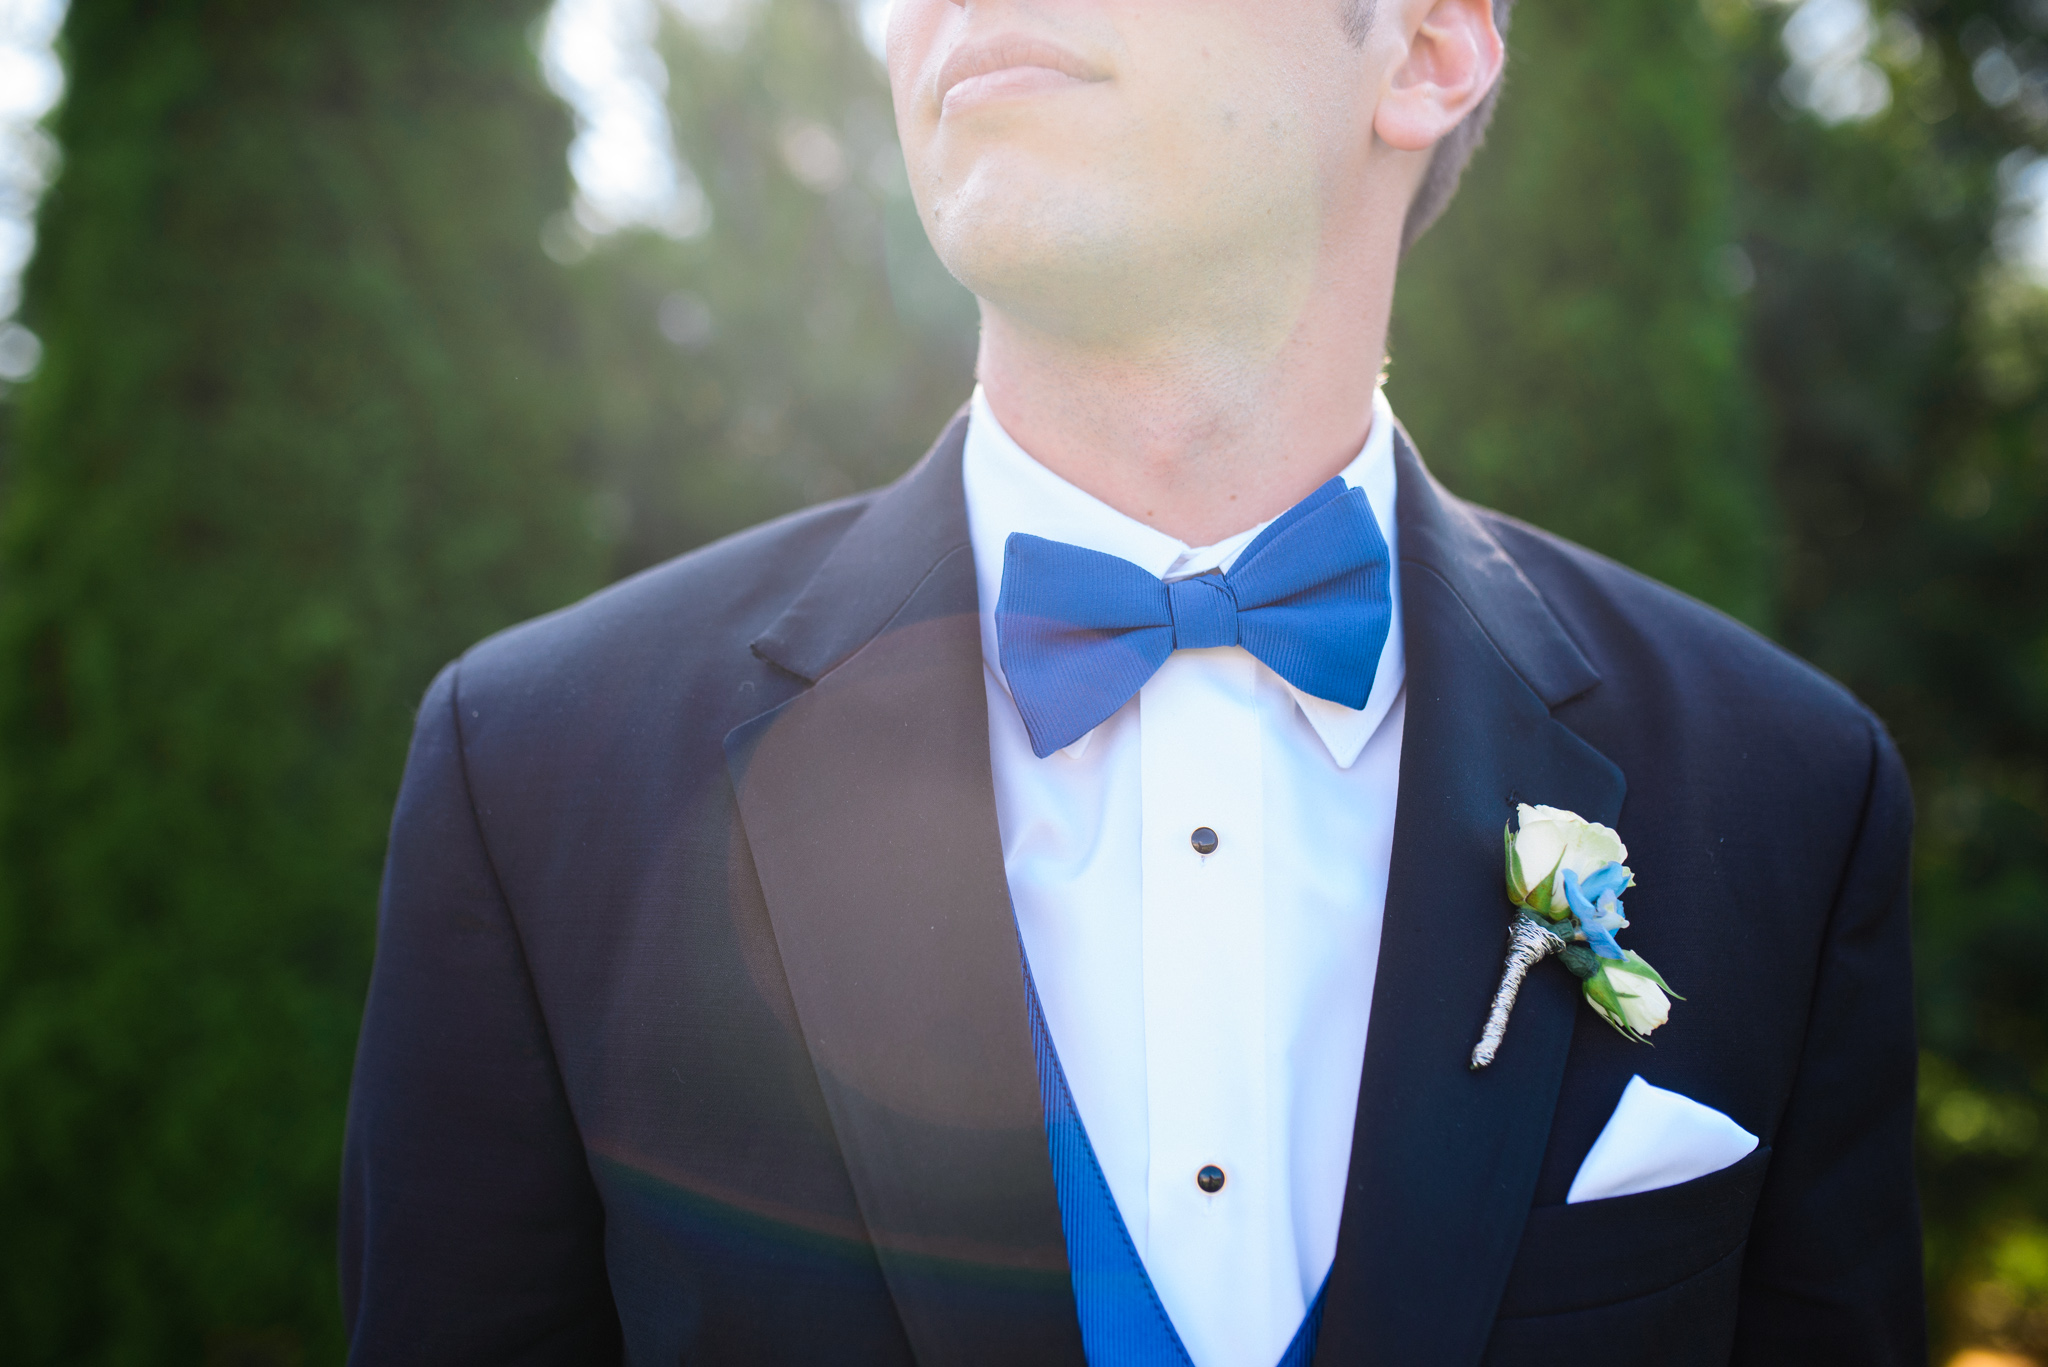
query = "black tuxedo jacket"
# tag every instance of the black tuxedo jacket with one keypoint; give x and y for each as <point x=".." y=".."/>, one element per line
<point x="698" y="1031"/>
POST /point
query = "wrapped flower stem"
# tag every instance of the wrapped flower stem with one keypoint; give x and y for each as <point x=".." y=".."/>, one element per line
<point x="1529" y="942"/>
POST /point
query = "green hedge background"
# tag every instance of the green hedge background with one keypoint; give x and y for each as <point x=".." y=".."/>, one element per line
<point x="316" y="411"/>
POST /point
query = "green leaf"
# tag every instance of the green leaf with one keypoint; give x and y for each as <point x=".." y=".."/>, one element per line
<point x="1517" y="893"/>
<point x="1636" y="964"/>
<point x="1601" y="994"/>
<point x="1607" y="1002"/>
<point x="1581" y="961"/>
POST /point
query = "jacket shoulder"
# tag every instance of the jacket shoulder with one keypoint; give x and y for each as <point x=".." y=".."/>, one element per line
<point x="1668" y="654"/>
<point x="667" y="626"/>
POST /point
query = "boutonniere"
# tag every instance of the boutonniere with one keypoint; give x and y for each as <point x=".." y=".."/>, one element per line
<point x="1565" y="878"/>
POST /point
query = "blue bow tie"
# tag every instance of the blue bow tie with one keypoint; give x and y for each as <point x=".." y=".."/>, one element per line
<point x="1079" y="632"/>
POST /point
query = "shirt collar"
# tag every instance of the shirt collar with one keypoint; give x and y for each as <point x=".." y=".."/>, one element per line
<point x="1008" y="491"/>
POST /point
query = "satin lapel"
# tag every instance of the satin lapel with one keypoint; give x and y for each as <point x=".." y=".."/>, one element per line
<point x="1445" y="1160"/>
<point x="869" y="808"/>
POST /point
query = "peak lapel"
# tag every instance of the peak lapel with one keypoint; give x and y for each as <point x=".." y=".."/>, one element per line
<point x="1445" y="1160"/>
<point x="870" y="812"/>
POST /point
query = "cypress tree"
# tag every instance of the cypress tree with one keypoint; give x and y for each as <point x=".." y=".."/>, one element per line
<point x="299" y="435"/>
<point x="1902" y="363"/>
<point x="807" y="343"/>
<point x="1835" y="431"/>
<point x="1567" y="342"/>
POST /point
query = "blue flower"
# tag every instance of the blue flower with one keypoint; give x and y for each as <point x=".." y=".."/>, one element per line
<point x="1596" y="901"/>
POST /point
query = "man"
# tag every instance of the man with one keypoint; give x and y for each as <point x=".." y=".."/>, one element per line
<point x="1043" y="911"/>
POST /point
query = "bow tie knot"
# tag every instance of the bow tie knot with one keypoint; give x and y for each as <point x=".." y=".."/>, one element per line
<point x="1204" y="611"/>
<point x="1079" y="631"/>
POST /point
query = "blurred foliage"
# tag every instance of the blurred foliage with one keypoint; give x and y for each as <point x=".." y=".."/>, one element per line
<point x="805" y="345"/>
<point x="300" y="434"/>
<point x="316" y="412"/>
<point x="1901" y="358"/>
<point x="1784" y="364"/>
<point x="1566" y="345"/>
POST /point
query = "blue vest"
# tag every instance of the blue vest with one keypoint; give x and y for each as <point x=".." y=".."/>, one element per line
<point x="1122" y="1322"/>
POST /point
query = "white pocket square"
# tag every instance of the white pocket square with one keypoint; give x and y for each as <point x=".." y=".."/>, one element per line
<point x="1657" y="1138"/>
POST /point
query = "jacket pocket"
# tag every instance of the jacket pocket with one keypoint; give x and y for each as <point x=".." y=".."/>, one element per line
<point x="1579" y="1257"/>
<point x="1688" y="1324"/>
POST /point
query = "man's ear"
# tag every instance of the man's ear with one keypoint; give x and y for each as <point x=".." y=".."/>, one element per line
<point x="1453" y="56"/>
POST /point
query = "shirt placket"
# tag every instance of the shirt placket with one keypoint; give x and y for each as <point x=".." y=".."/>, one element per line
<point x="1204" y="938"/>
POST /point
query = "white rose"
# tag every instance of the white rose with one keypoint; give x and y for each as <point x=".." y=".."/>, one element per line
<point x="1644" y="1006"/>
<point x="1550" y="838"/>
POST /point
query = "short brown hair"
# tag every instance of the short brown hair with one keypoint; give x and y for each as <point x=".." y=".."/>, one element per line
<point x="1447" y="164"/>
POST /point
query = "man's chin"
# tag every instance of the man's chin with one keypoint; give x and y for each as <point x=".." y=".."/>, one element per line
<point x="1043" y="269"/>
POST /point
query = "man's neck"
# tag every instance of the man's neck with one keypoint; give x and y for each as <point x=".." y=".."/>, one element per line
<point x="1197" y="440"/>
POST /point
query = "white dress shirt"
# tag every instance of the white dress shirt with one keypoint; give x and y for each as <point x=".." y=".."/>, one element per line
<point x="1207" y="1009"/>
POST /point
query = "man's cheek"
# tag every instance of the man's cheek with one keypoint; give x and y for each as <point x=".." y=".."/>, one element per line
<point x="914" y="32"/>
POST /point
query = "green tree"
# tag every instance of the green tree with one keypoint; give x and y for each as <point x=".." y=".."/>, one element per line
<point x="1902" y="359"/>
<point x="301" y="432"/>
<point x="807" y="343"/>
<point x="1784" y="364"/>
<point x="1568" y="341"/>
